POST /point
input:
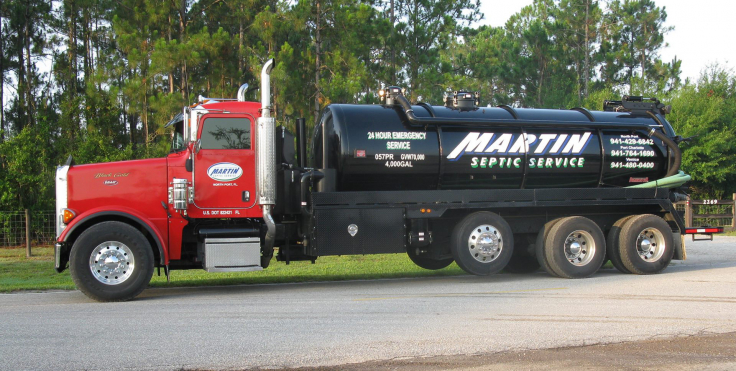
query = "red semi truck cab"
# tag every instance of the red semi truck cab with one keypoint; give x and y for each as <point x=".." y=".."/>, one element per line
<point x="133" y="214"/>
<point x="220" y="165"/>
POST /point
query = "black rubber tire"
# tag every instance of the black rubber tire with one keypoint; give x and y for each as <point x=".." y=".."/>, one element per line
<point x="79" y="262"/>
<point x="554" y="247"/>
<point x="427" y="263"/>
<point x="539" y="246"/>
<point x="521" y="263"/>
<point x="612" y="244"/>
<point x="461" y="248"/>
<point x="628" y="244"/>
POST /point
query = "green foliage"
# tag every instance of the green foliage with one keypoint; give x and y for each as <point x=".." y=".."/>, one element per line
<point x="28" y="171"/>
<point x="423" y="28"/>
<point x="122" y="69"/>
<point x="706" y="111"/>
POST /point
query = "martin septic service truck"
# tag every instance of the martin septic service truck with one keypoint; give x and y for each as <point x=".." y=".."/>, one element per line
<point x="490" y="188"/>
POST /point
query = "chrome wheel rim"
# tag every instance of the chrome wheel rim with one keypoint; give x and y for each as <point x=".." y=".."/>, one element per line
<point x="579" y="248"/>
<point x="485" y="243"/>
<point x="650" y="244"/>
<point x="112" y="262"/>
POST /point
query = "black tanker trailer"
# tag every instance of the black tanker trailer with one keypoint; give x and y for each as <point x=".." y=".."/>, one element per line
<point x="490" y="188"/>
<point x="379" y="148"/>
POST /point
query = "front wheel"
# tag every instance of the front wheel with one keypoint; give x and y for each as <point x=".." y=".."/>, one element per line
<point x="482" y="243"/>
<point x="111" y="261"/>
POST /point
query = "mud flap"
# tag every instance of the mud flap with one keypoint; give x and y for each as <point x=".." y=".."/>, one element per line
<point x="679" y="240"/>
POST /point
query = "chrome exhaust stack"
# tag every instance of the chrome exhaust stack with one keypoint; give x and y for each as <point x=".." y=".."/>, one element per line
<point x="266" y="161"/>
<point x="241" y="92"/>
<point x="266" y="143"/>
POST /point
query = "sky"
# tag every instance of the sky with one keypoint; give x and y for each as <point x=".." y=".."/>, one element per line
<point x="704" y="30"/>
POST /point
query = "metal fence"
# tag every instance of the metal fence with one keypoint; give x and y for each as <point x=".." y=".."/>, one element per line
<point x="19" y="227"/>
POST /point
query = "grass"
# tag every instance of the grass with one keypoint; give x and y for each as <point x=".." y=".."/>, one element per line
<point x="18" y="273"/>
<point x="35" y="273"/>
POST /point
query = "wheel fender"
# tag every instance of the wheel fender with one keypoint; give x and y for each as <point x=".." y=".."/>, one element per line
<point x="83" y="221"/>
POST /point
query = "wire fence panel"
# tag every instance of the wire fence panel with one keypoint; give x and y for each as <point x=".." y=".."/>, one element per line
<point x="13" y="228"/>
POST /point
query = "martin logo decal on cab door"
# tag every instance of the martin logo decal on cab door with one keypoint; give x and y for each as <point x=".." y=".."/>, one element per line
<point x="224" y="171"/>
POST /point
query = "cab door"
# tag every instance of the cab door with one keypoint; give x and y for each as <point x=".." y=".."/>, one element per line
<point x="224" y="165"/>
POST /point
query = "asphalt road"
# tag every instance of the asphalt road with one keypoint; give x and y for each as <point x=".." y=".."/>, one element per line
<point x="322" y="324"/>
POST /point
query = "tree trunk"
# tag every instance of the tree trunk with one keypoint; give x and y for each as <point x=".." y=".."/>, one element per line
<point x="96" y="47"/>
<point x="241" y="41"/>
<point x="393" y="45"/>
<point x="317" y="42"/>
<point x="90" y="106"/>
<point x="171" y="72"/>
<point x="631" y="65"/>
<point x="2" y="85"/>
<point x="644" y="54"/>
<point x="29" y="78"/>
<point x="586" y="68"/>
<point x="542" y="70"/>
<point x="144" y="114"/>
<point x="87" y="52"/>
<point x="130" y="120"/>
<point x="22" y="82"/>
<point x="414" y="57"/>
<point x="71" y="53"/>
<point x="182" y="39"/>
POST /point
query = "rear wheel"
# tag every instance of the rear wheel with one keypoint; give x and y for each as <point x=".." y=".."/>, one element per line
<point x="646" y="244"/>
<point x="539" y="246"/>
<point x="575" y="247"/>
<point x="482" y="243"/>
<point x="111" y="261"/>
<point x="426" y="262"/>
<point x="612" y="243"/>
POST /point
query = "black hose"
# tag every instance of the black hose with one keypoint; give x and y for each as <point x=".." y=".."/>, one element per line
<point x="450" y="121"/>
<point x="676" y="154"/>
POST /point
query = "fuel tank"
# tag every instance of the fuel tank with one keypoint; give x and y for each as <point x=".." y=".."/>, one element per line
<point x="376" y="147"/>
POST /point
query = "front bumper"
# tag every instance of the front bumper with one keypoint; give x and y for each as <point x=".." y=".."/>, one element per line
<point x="61" y="257"/>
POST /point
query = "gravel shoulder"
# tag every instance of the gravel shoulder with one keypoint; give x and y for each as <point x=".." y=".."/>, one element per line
<point x="701" y="352"/>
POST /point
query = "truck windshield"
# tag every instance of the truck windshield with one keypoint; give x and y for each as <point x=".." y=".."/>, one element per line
<point x="226" y="133"/>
